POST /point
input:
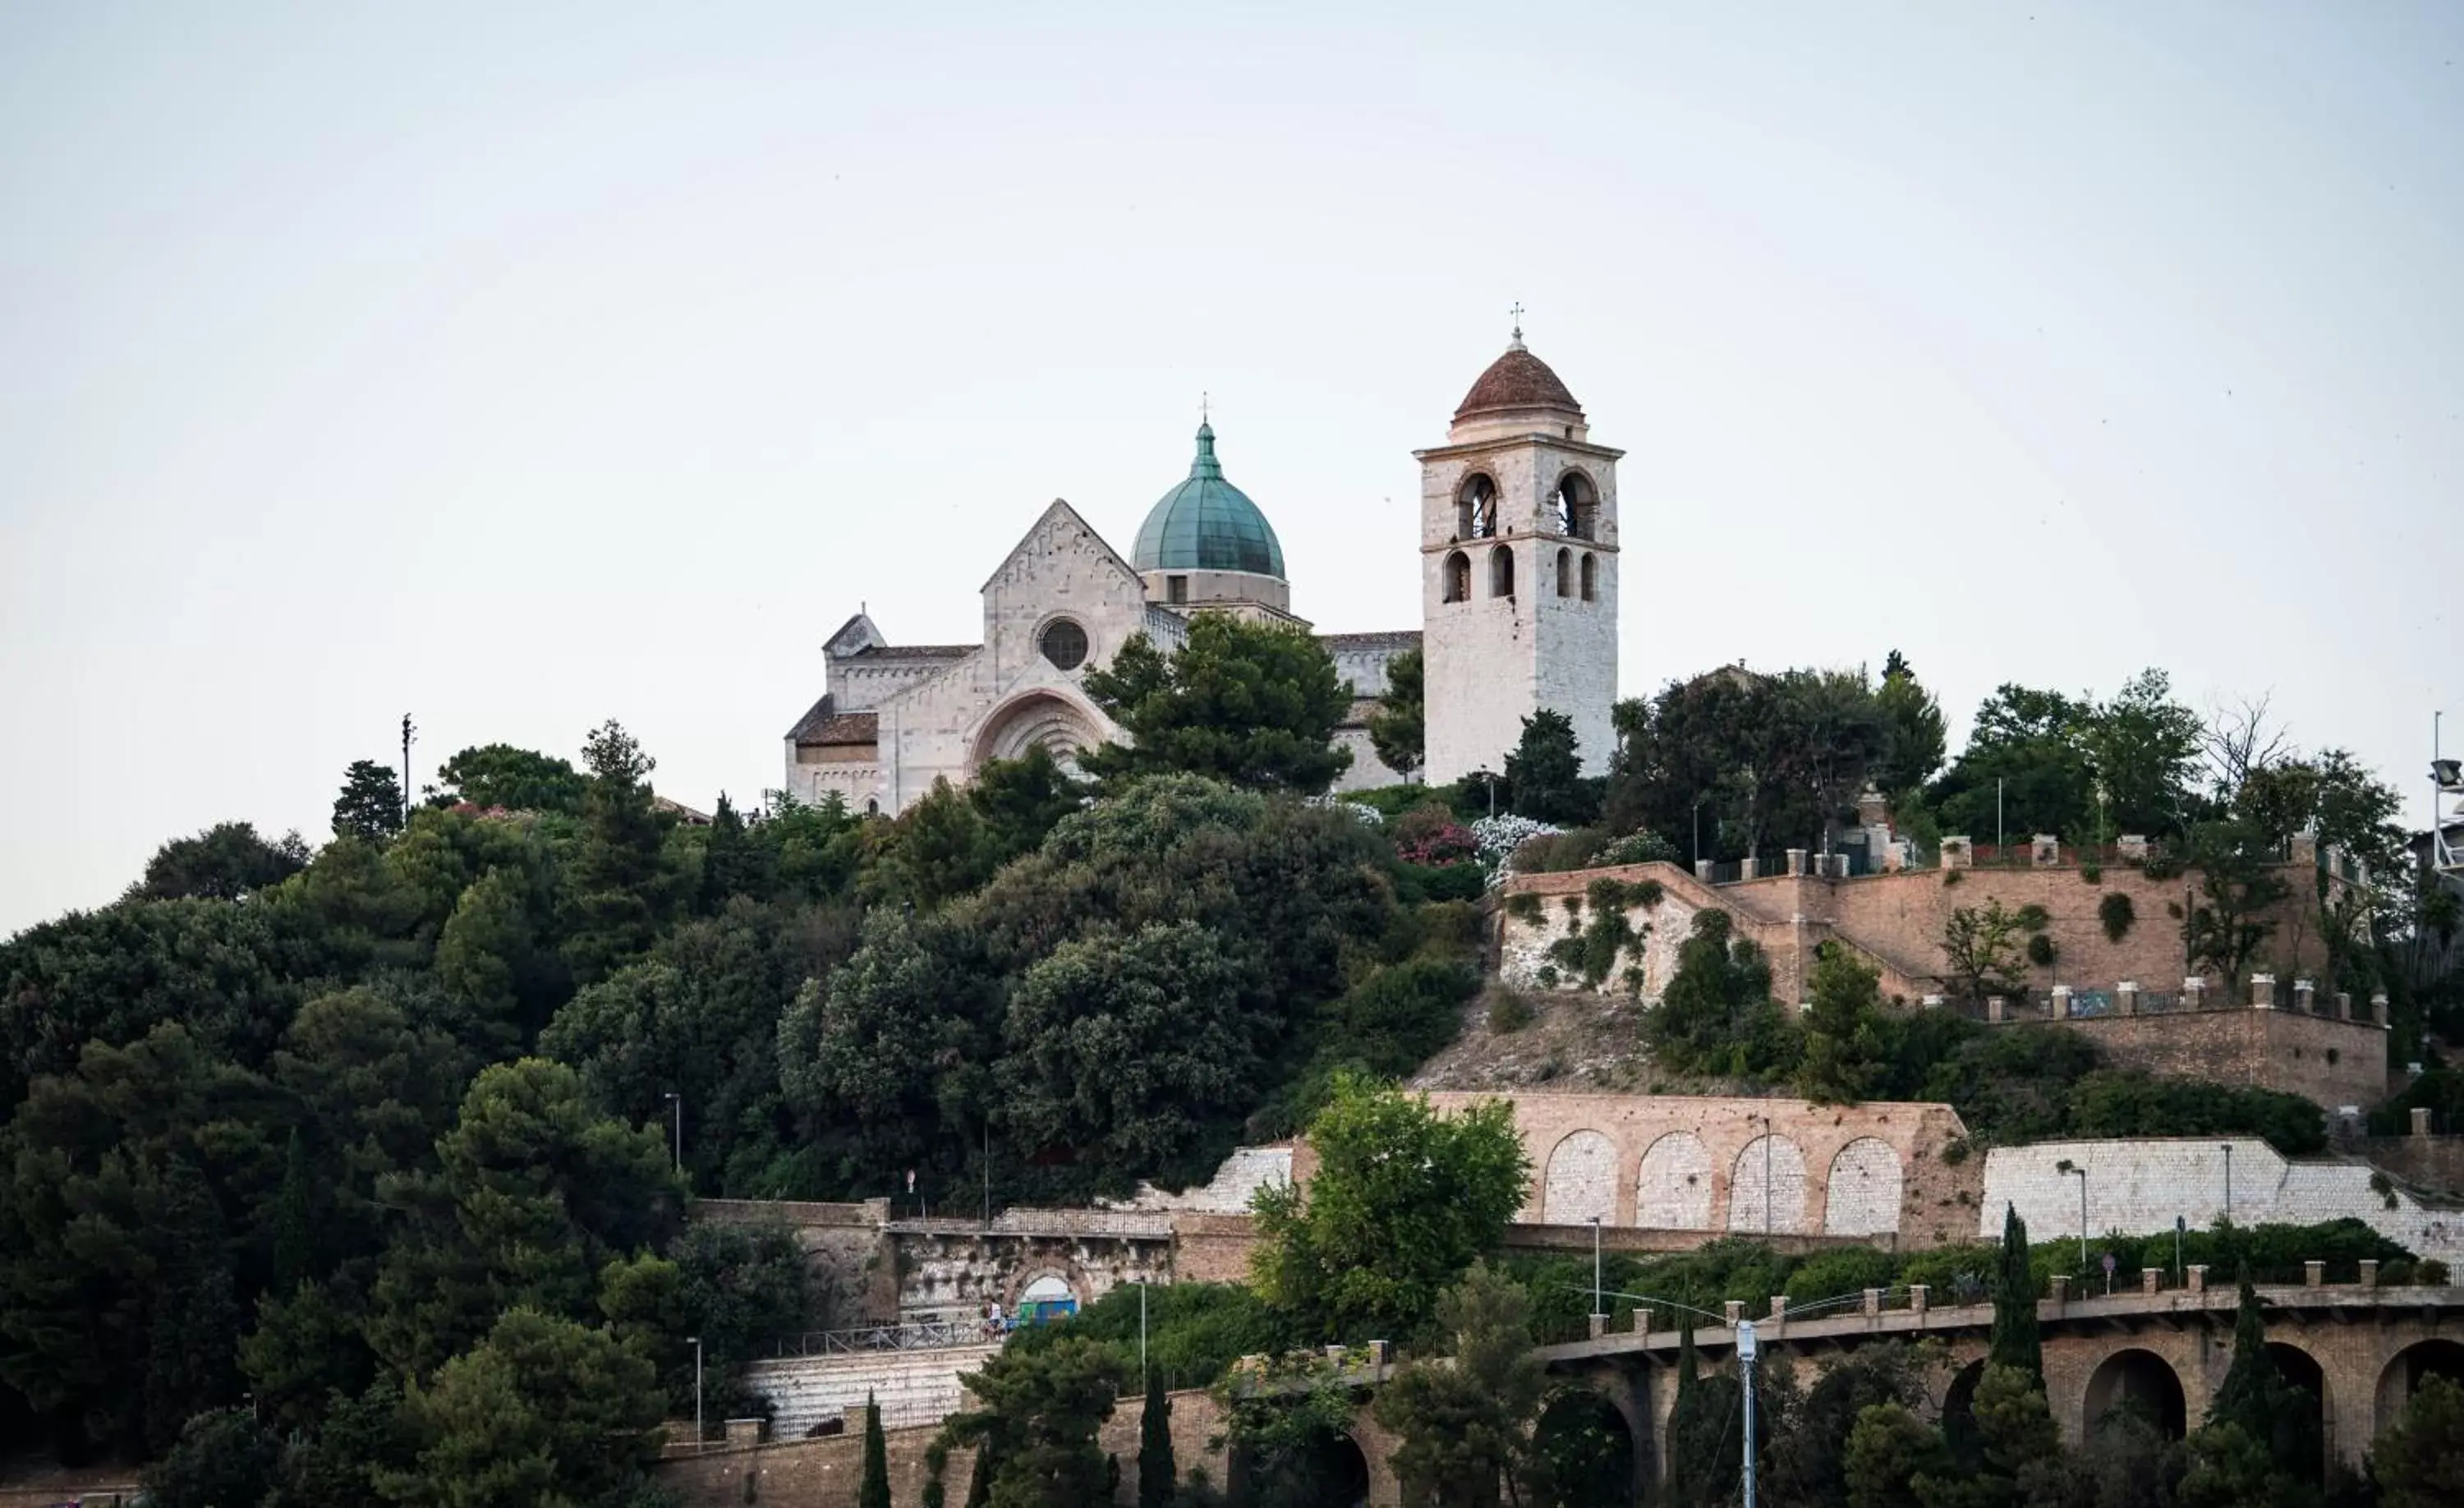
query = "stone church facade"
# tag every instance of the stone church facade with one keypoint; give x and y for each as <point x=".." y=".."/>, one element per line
<point x="1519" y="582"/>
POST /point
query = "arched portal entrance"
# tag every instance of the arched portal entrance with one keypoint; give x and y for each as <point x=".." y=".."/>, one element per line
<point x="2311" y="1414"/>
<point x="1959" y="1411"/>
<point x="2406" y="1369"/>
<point x="1585" y="1453"/>
<point x="2140" y="1381"/>
<point x="1038" y="719"/>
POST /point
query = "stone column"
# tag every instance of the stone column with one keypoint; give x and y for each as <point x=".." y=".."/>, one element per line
<point x="2420" y="1120"/>
<point x="1957" y="853"/>
<point x="1920" y="1297"/>
<point x="1779" y="1307"/>
<point x="1796" y="862"/>
<point x="2344" y="1006"/>
<point x="2379" y="1008"/>
<point x="1748" y="868"/>
<point x="2046" y="852"/>
<point x="1703" y="871"/>
<point x="1995" y="1006"/>
<point x="2305" y="996"/>
<point x="1599" y="1325"/>
<point x="2126" y="996"/>
<point x="2369" y="1272"/>
<point x="1732" y="1311"/>
<point x="2262" y="992"/>
<point x="2062" y="1289"/>
<point x="2198" y="1277"/>
<point x="1643" y="1321"/>
<point x="1873" y="1302"/>
<point x="2194" y="993"/>
<point x="2314" y="1273"/>
<point x="2061" y="1007"/>
<point x="2150" y="1280"/>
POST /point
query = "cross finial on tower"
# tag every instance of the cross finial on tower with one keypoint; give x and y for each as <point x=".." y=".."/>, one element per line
<point x="1203" y="416"/>
<point x="1517" y="311"/>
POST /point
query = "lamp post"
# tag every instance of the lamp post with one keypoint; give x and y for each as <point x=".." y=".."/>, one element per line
<point x="2228" y="1147"/>
<point x="1745" y="1349"/>
<point x="1767" y="1179"/>
<point x="697" y="1423"/>
<point x="676" y="1103"/>
<point x="2082" y="1178"/>
<point x="1597" y="1312"/>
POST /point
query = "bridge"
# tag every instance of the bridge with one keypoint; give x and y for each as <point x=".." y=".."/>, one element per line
<point x="2357" y="1350"/>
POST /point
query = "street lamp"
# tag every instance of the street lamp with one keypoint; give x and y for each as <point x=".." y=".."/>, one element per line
<point x="2071" y="1168"/>
<point x="677" y="1101"/>
<point x="1745" y="1351"/>
<point x="1767" y="1178"/>
<point x="697" y="1423"/>
<point x="2228" y="1147"/>
<point x="1598" y="1312"/>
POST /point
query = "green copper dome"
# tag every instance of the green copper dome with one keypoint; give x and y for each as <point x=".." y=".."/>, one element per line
<point x="1207" y="524"/>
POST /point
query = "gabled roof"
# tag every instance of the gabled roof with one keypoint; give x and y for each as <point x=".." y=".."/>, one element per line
<point x="825" y="723"/>
<point x="1061" y="508"/>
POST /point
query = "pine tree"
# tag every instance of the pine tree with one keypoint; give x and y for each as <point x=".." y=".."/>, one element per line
<point x="874" y="1493"/>
<point x="1156" y="1470"/>
<point x="2016" y="1341"/>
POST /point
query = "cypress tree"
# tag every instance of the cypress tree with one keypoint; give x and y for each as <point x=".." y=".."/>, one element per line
<point x="295" y="1221"/>
<point x="1156" y="1470"/>
<point x="2016" y="1341"/>
<point x="2255" y="1397"/>
<point x="874" y="1493"/>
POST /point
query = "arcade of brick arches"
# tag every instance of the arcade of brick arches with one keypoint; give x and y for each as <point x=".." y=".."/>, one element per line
<point x="2357" y="1350"/>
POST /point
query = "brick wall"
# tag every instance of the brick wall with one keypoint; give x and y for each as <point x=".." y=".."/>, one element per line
<point x="1697" y="1163"/>
<point x="2329" y="1062"/>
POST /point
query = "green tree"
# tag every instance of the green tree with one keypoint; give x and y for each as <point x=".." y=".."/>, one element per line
<point x="1889" y="1448"/>
<point x="1035" y="1419"/>
<point x="1020" y="800"/>
<point x="1543" y="772"/>
<point x="1465" y="1426"/>
<point x="371" y="807"/>
<point x="2143" y="748"/>
<point x="731" y="860"/>
<point x="2256" y="1399"/>
<point x="295" y="1220"/>
<point x="1403" y="1199"/>
<point x="502" y="776"/>
<point x="223" y="1460"/>
<point x="2240" y="884"/>
<point x="1130" y="1050"/>
<point x="1982" y="949"/>
<point x="1703" y="1465"/>
<point x="2015" y="1344"/>
<point x="1157" y="1474"/>
<point x="1808" y="1459"/>
<point x="1912" y="730"/>
<point x="1253" y="704"/>
<point x="224" y="863"/>
<point x="1844" y="1030"/>
<point x="487" y="961"/>
<point x="306" y="1351"/>
<point x="2019" y="1458"/>
<point x="192" y="1339"/>
<point x="2420" y="1460"/>
<point x="1716" y="1015"/>
<point x="936" y="851"/>
<point x="541" y="1411"/>
<point x="873" y="1490"/>
<point x="1398" y="727"/>
<point x="2025" y="768"/>
<point x="618" y="893"/>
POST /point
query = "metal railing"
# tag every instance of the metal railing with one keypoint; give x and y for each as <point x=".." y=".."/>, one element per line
<point x="915" y="1335"/>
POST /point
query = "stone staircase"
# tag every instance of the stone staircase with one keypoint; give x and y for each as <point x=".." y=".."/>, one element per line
<point x="909" y="1387"/>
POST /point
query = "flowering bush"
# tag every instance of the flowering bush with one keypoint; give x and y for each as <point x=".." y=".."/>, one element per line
<point x="1366" y="815"/>
<point x="1499" y="835"/>
<point x="1430" y="834"/>
<point x="1643" y="847"/>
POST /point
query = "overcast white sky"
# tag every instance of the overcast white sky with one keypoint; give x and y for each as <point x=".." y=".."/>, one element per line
<point x="522" y="370"/>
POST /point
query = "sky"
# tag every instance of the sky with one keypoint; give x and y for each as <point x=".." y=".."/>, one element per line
<point x="519" y="367"/>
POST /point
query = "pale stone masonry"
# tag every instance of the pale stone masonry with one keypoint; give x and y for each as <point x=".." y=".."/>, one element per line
<point x="2138" y="1187"/>
<point x="1518" y="483"/>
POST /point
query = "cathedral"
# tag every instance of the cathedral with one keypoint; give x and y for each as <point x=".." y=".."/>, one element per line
<point x="1518" y="551"/>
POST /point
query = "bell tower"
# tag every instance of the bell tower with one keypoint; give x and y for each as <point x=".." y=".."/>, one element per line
<point x="1518" y="571"/>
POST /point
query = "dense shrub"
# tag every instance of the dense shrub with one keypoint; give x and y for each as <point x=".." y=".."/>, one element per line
<point x="2125" y="1103"/>
<point x="2116" y="912"/>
